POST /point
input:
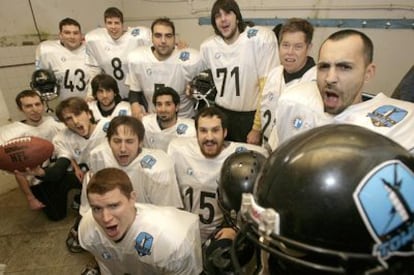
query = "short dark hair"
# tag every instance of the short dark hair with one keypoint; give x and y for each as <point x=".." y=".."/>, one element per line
<point x="69" y="21"/>
<point x="114" y="12"/>
<point x="368" y="46"/>
<point x="104" y="81"/>
<point x="227" y="6"/>
<point x="26" y="93"/>
<point x="166" y="91"/>
<point x="133" y="123"/>
<point x="163" y="21"/>
<point x="211" y="112"/>
<point x="75" y="105"/>
<point x="297" y="25"/>
<point x="108" y="179"/>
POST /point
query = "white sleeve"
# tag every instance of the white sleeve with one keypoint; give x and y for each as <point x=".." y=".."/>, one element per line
<point x="61" y="146"/>
<point x="267" y="53"/>
<point x="299" y="109"/>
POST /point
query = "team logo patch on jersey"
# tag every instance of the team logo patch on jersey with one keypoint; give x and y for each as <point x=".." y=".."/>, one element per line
<point x="106" y="255"/>
<point x="184" y="56"/>
<point x="181" y="128"/>
<point x="122" y="112"/>
<point x="148" y="71"/>
<point x="135" y="32"/>
<point x="297" y="123"/>
<point x="63" y="59"/>
<point x="189" y="171"/>
<point x="105" y="126"/>
<point x="77" y="151"/>
<point x="252" y="32"/>
<point x="385" y="202"/>
<point x="217" y="56"/>
<point x="240" y="149"/>
<point x="148" y="162"/>
<point x="143" y="244"/>
<point x="387" y="116"/>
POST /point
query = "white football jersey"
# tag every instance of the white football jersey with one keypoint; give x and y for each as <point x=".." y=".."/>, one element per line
<point x="275" y="85"/>
<point x="161" y="240"/>
<point x="387" y="116"/>
<point x="198" y="176"/>
<point x="158" y="138"/>
<point x="146" y="73"/>
<point x="152" y="175"/>
<point x="69" y="67"/>
<point x="238" y="67"/>
<point x="70" y="145"/>
<point x="299" y="108"/>
<point x="46" y="130"/>
<point x="123" y="108"/>
<point x="110" y="56"/>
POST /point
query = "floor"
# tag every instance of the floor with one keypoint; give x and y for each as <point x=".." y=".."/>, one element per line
<point x="31" y="244"/>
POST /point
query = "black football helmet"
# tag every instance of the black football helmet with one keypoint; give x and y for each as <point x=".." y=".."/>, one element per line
<point x="337" y="199"/>
<point x="203" y="89"/>
<point x="238" y="175"/>
<point x="44" y="81"/>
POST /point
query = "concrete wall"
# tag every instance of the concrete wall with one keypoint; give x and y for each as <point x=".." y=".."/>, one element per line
<point x="393" y="47"/>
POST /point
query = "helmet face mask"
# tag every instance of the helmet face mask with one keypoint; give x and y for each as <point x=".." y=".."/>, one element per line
<point x="336" y="199"/>
<point x="44" y="81"/>
<point x="203" y="89"/>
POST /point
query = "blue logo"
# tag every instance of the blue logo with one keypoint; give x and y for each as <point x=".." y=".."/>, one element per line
<point x="143" y="244"/>
<point x="135" y="32"/>
<point x="387" y="116"/>
<point x="184" y="56"/>
<point x="106" y="255"/>
<point x="122" y="112"/>
<point x="148" y="162"/>
<point x="241" y="149"/>
<point x="385" y="202"/>
<point x="105" y="127"/>
<point x="297" y="123"/>
<point x="181" y="129"/>
<point x="252" y="32"/>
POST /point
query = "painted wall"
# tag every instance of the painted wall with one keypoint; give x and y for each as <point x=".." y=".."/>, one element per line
<point x="393" y="47"/>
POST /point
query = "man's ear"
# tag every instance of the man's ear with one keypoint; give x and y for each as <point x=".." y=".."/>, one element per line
<point x="133" y="196"/>
<point x="370" y="72"/>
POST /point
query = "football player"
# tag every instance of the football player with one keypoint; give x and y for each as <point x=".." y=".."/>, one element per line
<point x="239" y="57"/>
<point x="66" y="58"/>
<point x="35" y="123"/>
<point x="108" y="103"/>
<point x="344" y="67"/>
<point x="107" y="48"/>
<point x="162" y="64"/>
<point x="336" y="199"/>
<point x="150" y="170"/>
<point x="295" y="43"/>
<point x="165" y="124"/>
<point x="131" y="238"/>
<point x="198" y="162"/>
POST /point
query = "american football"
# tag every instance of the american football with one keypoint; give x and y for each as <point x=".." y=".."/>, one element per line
<point x="19" y="153"/>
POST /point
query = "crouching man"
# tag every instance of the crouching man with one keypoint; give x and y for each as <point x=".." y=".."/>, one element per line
<point x="130" y="238"/>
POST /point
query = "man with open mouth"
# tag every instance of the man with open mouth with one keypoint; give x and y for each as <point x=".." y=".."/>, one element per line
<point x="132" y="238"/>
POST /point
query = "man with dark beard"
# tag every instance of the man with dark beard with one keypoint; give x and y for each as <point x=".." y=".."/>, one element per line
<point x="165" y="124"/>
<point x="197" y="165"/>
